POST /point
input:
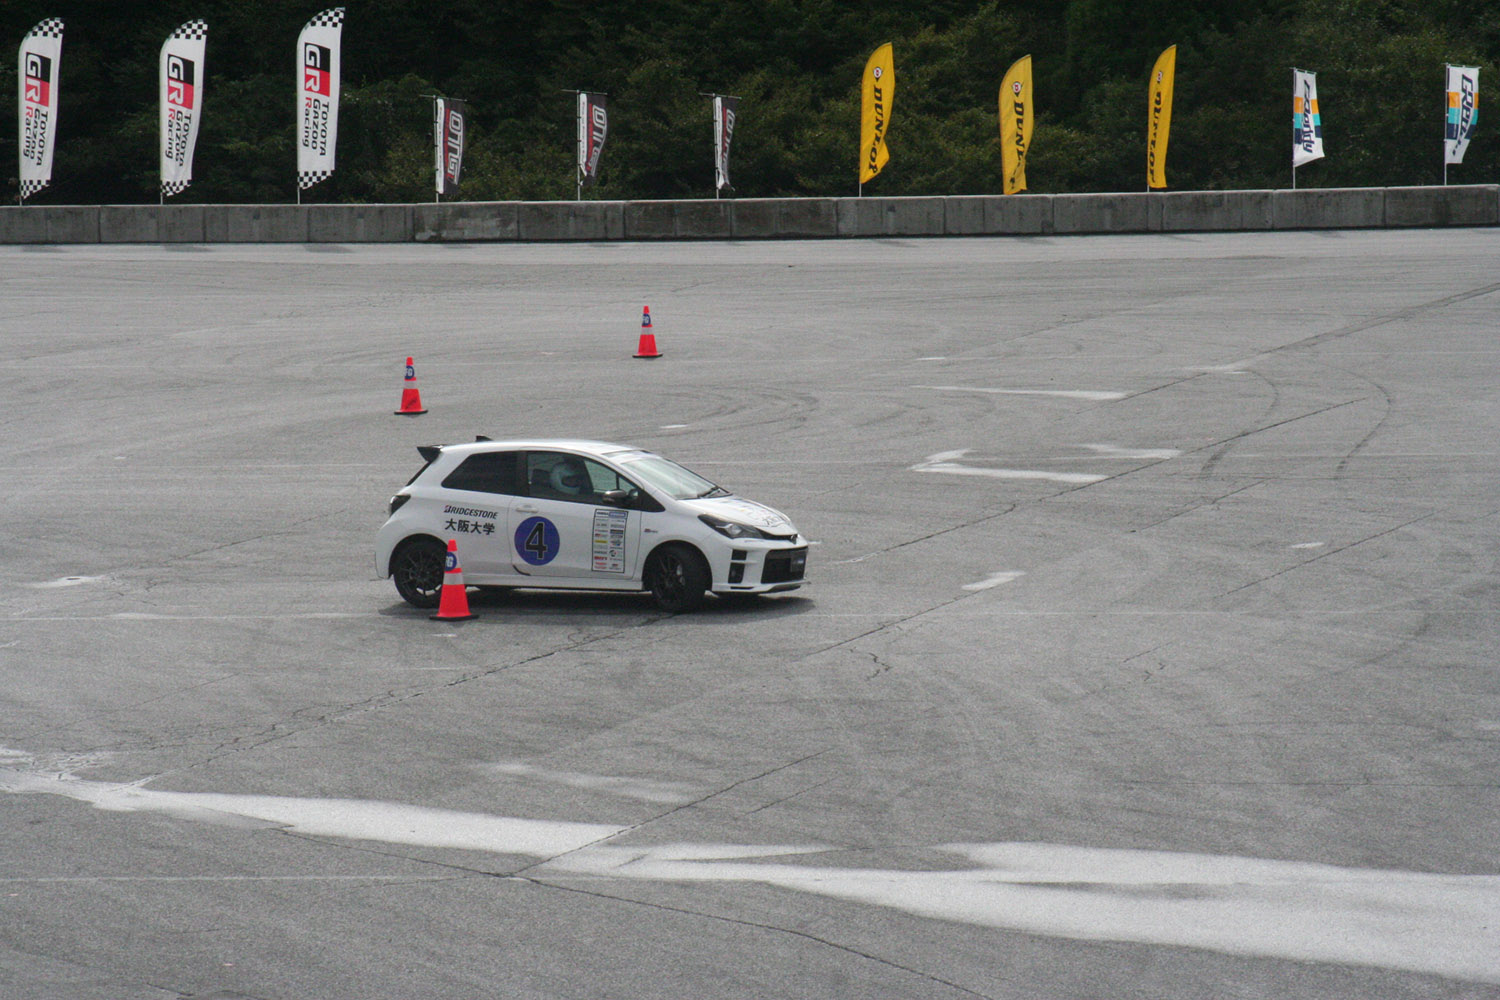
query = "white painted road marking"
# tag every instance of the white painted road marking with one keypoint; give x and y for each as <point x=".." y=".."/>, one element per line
<point x="668" y="792"/>
<point x="1413" y="921"/>
<point x="943" y="461"/>
<point x="67" y="581"/>
<point x="995" y="580"/>
<point x="1133" y="454"/>
<point x="1092" y="395"/>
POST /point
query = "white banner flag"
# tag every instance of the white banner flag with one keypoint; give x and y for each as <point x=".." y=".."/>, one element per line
<point x="181" y="104"/>
<point x="318" y="96"/>
<point x="1307" y="120"/>
<point x="1463" y="112"/>
<point x="40" y="56"/>
<point x="726" y="109"/>
<point x="593" y="129"/>
<point x="448" y="127"/>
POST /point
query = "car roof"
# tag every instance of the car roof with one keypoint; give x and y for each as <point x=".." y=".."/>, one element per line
<point x="581" y="445"/>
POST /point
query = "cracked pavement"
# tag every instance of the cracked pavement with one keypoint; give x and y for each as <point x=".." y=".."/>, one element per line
<point x="1262" y="633"/>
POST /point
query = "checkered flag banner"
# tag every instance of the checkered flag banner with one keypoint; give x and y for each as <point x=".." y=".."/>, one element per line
<point x="196" y="31"/>
<point x="331" y="18"/>
<point x="39" y="59"/>
<point x="318" y="96"/>
<point x="181" y="104"/>
<point x="307" y="178"/>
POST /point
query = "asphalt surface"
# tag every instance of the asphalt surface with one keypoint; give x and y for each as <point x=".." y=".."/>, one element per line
<point x="1150" y="648"/>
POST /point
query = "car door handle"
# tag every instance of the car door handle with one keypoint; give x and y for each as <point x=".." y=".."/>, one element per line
<point x="526" y="508"/>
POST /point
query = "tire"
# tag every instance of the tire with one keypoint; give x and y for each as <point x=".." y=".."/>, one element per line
<point x="678" y="578"/>
<point x="417" y="569"/>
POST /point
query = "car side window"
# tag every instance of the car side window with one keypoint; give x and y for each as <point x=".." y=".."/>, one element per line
<point x="486" y="472"/>
<point x="552" y="475"/>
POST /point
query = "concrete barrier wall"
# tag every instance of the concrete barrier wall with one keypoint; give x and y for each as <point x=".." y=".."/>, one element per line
<point x="759" y="218"/>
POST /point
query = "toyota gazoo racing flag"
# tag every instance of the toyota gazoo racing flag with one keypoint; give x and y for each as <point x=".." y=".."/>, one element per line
<point x="593" y="129"/>
<point x="1015" y="125"/>
<point x="877" y="93"/>
<point x="725" y="110"/>
<point x="448" y="142"/>
<point x="181" y="104"/>
<point x="318" y="96"/>
<point x="1307" y="119"/>
<point x="1463" y="111"/>
<point x="41" y="53"/>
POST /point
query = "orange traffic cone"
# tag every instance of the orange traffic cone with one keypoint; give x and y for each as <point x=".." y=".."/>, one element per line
<point x="453" y="604"/>
<point x="647" y="349"/>
<point x="411" y="399"/>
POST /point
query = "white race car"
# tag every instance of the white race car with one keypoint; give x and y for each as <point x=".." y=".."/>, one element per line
<point x="581" y="515"/>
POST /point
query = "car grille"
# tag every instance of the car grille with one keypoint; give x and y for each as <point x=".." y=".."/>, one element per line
<point x="783" y="566"/>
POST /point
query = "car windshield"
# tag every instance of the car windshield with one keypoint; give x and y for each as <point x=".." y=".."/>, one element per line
<point x="670" y="478"/>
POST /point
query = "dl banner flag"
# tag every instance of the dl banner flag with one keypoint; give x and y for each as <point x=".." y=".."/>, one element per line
<point x="878" y="90"/>
<point x="1307" y="119"/>
<point x="725" y="110"/>
<point x="1463" y="112"/>
<point x="40" y="55"/>
<point x="181" y="104"/>
<point x="593" y="129"/>
<point x="318" y="96"/>
<point x="1159" y="105"/>
<point x="448" y="124"/>
<point x="1015" y="124"/>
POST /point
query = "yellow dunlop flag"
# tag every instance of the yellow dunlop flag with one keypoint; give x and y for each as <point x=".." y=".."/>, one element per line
<point x="1015" y="124"/>
<point x="879" y="87"/>
<point x="1163" y="75"/>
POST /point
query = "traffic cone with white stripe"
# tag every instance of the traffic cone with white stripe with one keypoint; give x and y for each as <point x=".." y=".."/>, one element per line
<point x="647" y="348"/>
<point x="411" y="399"/>
<point x="453" y="603"/>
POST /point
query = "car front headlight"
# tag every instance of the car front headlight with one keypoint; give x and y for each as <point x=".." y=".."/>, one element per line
<point x="731" y="529"/>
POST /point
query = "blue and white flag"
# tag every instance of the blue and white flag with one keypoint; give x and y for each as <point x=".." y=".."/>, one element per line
<point x="1463" y="112"/>
<point x="1307" y="120"/>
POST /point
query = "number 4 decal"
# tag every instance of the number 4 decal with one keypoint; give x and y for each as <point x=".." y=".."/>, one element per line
<point x="537" y="541"/>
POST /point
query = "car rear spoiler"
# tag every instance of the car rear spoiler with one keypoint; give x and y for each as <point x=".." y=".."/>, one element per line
<point x="430" y="452"/>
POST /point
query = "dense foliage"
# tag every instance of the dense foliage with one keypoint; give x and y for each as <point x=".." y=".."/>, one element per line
<point x="795" y="65"/>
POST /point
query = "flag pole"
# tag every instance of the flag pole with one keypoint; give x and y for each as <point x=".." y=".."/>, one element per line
<point x="578" y="145"/>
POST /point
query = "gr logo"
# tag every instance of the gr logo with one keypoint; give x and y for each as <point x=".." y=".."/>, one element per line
<point x="36" y="83"/>
<point x="317" y="69"/>
<point x="180" y="81"/>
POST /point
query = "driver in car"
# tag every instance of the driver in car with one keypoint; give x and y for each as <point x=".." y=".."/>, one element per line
<point x="570" y="479"/>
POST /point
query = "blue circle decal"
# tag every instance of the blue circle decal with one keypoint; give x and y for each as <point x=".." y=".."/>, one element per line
<point x="537" y="541"/>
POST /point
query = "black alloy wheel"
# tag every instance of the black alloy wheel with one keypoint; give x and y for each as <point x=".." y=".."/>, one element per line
<point x="417" y="569"/>
<point x="678" y="578"/>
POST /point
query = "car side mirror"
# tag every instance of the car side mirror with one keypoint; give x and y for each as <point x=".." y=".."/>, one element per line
<point x="616" y="498"/>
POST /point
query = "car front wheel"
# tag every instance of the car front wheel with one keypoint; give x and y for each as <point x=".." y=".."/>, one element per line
<point x="417" y="569"/>
<point x="678" y="578"/>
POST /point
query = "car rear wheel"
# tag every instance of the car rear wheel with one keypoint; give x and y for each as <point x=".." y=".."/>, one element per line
<point x="417" y="569"/>
<point x="678" y="578"/>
